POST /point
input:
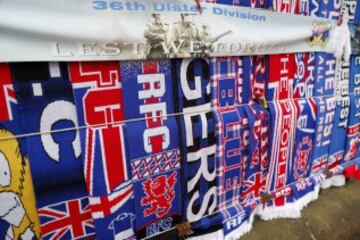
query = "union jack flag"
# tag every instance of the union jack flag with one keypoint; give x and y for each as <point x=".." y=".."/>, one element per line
<point x="319" y="165"/>
<point x="67" y="220"/>
<point x="253" y="186"/>
<point x="335" y="159"/>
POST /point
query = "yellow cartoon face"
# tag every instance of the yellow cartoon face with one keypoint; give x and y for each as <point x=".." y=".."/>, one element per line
<point x="5" y="174"/>
<point x="17" y="200"/>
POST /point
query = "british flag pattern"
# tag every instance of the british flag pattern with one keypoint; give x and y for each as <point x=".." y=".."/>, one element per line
<point x="67" y="220"/>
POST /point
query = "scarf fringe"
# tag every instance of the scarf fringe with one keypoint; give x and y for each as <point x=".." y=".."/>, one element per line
<point x="308" y="198"/>
<point x="290" y="210"/>
<point x="219" y="234"/>
<point x="334" y="181"/>
<point x="244" y="228"/>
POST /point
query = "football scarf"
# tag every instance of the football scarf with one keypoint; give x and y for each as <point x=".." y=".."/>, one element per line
<point x="45" y="100"/>
<point x="99" y="104"/>
<point x="280" y="86"/>
<point x="152" y="144"/>
<point x="229" y="169"/>
<point x="255" y="170"/>
<point x="303" y="189"/>
<point x="19" y="218"/>
<point x="323" y="134"/>
<point x="242" y="165"/>
<point x="197" y="139"/>
<point x="304" y="139"/>
<point x="228" y="158"/>
<point x="352" y="151"/>
<point x="325" y="67"/>
<point x="282" y="122"/>
<point x="338" y="140"/>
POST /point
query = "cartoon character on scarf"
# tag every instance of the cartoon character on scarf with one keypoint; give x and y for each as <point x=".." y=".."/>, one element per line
<point x="17" y="205"/>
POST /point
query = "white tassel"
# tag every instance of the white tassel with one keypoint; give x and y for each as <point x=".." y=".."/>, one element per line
<point x="308" y="198"/>
<point x="219" y="234"/>
<point x="340" y="40"/>
<point x="289" y="210"/>
<point x="334" y="181"/>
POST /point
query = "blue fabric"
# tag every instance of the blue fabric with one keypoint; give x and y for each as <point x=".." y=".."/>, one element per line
<point x="325" y="74"/>
<point x="255" y="171"/>
<point x="323" y="133"/>
<point x="152" y="145"/>
<point x="354" y="83"/>
<point x="46" y="104"/>
<point x="357" y="14"/>
<point x="198" y="144"/>
<point x="338" y="140"/>
<point x="282" y="122"/>
<point x="10" y="123"/>
<point x="304" y="139"/>
<point x="99" y="104"/>
<point x="303" y="148"/>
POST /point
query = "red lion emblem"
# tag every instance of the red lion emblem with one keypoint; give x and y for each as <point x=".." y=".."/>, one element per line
<point x="159" y="195"/>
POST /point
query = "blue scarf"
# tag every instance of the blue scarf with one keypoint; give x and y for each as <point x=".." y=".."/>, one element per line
<point x="46" y="104"/>
<point x="282" y="122"/>
<point x="152" y="144"/>
<point x="197" y="139"/>
<point x="338" y="140"/>
<point x="13" y="159"/>
<point x="99" y="103"/>
<point x="303" y="150"/>
<point x="323" y="134"/>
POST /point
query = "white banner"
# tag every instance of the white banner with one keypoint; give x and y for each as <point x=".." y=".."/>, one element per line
<point x="55" y="30"/>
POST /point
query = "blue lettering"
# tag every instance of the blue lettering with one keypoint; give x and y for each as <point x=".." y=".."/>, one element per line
<point x="99" y="5"/>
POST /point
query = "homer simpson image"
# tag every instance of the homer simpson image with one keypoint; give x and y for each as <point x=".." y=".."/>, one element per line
<point x="18" y="214"/>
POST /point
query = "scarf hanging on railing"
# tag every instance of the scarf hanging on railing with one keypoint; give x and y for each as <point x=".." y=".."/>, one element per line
<point x="46" y="103"/>
<point x="18" y="210"/>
